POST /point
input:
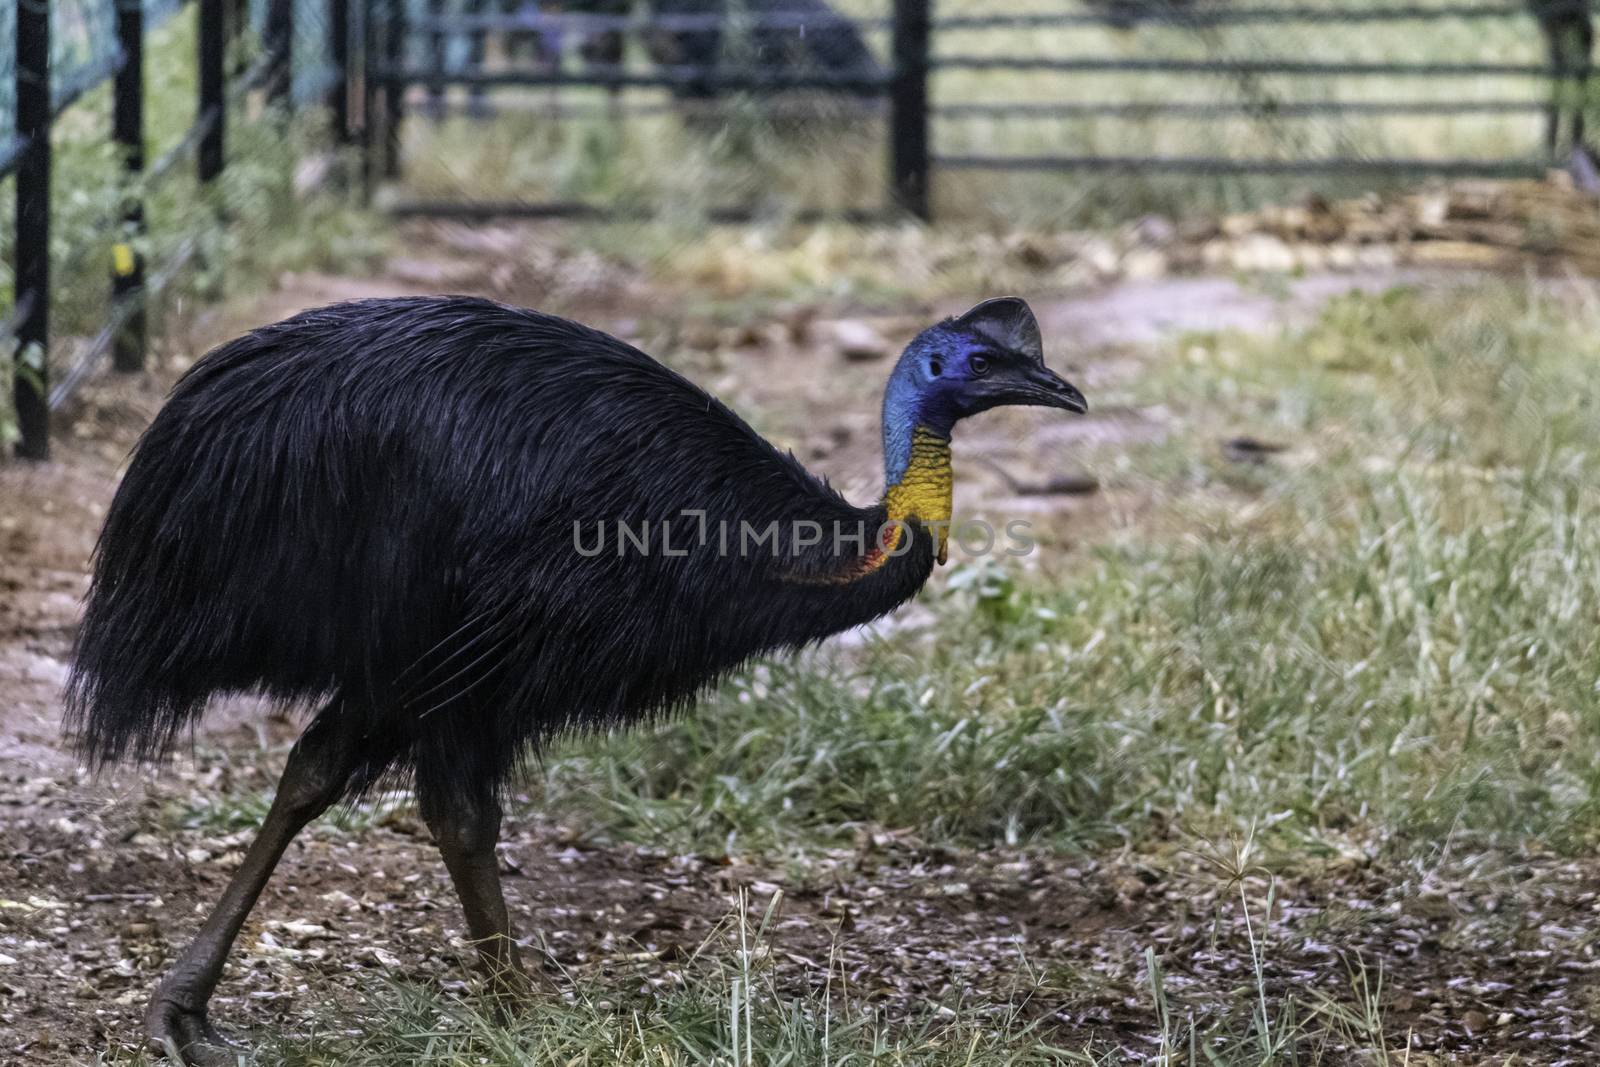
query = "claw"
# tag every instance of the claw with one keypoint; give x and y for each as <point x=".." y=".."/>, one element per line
<point x="187" y="1036"/>
<point x="511" y="991"/>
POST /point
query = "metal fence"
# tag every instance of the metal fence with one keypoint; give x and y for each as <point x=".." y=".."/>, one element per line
<point x="1542" y="46"/>
<point x="1067" y="92"/>
<point x="59" y="51"/>
<point x="1261" y="88"/>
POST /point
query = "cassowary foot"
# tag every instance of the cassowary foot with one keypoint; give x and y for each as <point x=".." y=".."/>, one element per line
<point x="510" y="992"/>
<point x="187" y="1034"/>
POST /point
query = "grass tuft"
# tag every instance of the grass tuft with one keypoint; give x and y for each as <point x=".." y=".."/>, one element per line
<point x="1390" y="632"/>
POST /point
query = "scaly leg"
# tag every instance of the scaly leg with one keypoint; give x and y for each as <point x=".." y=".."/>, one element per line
<point x="318" y="767"/>
<point x="466" y="828"/>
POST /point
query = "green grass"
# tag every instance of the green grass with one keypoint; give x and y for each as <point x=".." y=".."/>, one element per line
<point x="717" y="1021"/>
<point x="722" y="1007"/>
<point x="731" y="1018"/>
<point x="1383" y="638"/>
<point x="1262" y="132"/>
<point x="1390" y="633"/>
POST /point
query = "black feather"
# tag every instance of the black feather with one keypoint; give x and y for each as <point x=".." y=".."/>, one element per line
<point x="376" y="501"/>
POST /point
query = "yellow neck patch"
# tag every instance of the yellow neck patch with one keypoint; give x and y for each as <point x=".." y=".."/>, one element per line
<point x="924" y="491"/>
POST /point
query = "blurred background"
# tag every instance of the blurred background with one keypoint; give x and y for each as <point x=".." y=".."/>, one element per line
<point x="179" y="131"/>
<point x="1280" y="749"/>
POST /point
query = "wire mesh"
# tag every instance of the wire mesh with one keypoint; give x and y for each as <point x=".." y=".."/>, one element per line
<point x="83" y="48"/>
<point x="705" y="108"/>
<point x="313" y="72"/>
<point x="188" y="224"/>
<point x="1250" y="97"/>
<point x="84" y="53"/>
<point x="1182" y="106"/>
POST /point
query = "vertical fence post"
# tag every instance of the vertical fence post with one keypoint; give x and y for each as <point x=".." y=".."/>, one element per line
<point x="339" y="51"/>
<point x="236" y="16"/>
<point x="279" y="41"/>
<point x="369" y="98"/>
<point x="908" y="108"/>
<point x="32" y="249"/>
<point x="212" y="109"/>
<point x="394" y="91"/>
<point x="127" y="130"/>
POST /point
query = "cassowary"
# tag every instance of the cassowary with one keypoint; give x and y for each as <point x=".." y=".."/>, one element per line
<point x="390" y="508"/>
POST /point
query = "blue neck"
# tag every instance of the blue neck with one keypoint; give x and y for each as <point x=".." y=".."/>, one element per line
<point x="906" y="406"/>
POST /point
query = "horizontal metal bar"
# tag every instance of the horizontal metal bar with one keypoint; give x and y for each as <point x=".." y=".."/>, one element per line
<point x="557" y="109"/>
<point x="1486" y="168"/>
<point x="661" y="77"/>
<point x="481" y="210"/>
<point x="11" y="153"/>
<point x="101" y="343"/>
<point x="579" y="22"/>
<point x="1156" y="13"/>
<point x="1178" y="15"/>
<point x="1298" y="109"/>
<point x="1239" y="66"/>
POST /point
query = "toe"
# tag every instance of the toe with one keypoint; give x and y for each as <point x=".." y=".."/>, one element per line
<point x="187" y="1036"/>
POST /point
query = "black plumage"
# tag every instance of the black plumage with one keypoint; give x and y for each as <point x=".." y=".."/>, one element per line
<point x="410" y="510"/>
<point x="377" y="500"/>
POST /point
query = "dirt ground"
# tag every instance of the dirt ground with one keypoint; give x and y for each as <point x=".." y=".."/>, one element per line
<point x="1474" y="960"/>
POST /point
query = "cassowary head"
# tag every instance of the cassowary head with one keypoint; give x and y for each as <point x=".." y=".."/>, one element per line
<point x="990" y="356"/>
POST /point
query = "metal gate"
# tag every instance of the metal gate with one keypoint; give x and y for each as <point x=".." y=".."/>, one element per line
<point x="1210" y="97"/>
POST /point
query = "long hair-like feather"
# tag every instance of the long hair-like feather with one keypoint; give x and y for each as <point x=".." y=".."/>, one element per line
<point x="383" y="503"/>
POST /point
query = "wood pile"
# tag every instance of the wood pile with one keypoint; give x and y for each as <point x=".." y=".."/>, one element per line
<point x="1480" y="225"/>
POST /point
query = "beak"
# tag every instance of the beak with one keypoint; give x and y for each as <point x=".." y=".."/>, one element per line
<point x="1043" y="387"/>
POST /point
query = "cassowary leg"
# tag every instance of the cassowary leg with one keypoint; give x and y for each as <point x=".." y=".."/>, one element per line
<point x="466" y="829"/>
<point x="319" y="765"/>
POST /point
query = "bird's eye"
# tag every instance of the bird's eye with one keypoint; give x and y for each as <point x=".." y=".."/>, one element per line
<point x="978" y="365"/>
<point x="934" y="368"/>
